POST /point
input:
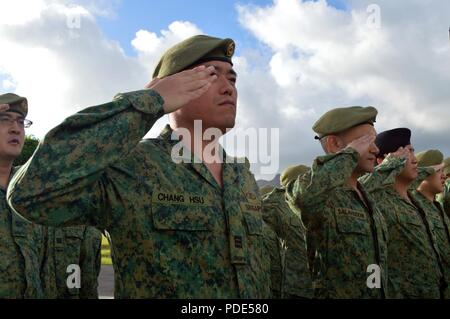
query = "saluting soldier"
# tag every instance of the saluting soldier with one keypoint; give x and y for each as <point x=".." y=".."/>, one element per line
<point x="346" y="233"/>
<point x="414" y="265"/>
<point x="179" y="229"/>
<point x="425" y="195"/>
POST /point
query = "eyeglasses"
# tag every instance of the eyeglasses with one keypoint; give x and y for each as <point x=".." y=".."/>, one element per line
<point x="7" y="121"/>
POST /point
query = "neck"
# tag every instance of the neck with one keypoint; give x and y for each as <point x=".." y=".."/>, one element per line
<point x="427" y="193"/>
<point x="401" y="186"/>
<point x="5" y="172"/>
<point x="208" y="151"/>
<point x="353" y="180"/>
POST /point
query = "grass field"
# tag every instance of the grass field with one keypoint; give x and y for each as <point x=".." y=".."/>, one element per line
<point x="106" y="252"/>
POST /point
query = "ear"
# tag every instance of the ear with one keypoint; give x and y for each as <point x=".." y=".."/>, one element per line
<point x="334" y="144"/>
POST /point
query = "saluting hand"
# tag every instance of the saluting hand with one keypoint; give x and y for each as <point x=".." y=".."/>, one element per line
<point x="402" y="152"/>
<point x="363" y="143"/>
<point x="181" y="88"/>
<point x="4" y="107"/>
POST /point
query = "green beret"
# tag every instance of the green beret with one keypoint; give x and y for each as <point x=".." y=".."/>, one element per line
<point x="16" y="103"/>
<point x="291" y="173"/>
<point x="429" y="158"/>
<point x="341" y="119"/>
<point x="447" y="166"/>
<point x="195" y="50"/>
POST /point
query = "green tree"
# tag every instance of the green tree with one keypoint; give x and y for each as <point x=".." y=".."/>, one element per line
<point x="29" y="146"/>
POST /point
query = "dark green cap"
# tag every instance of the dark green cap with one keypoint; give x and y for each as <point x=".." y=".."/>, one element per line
<point x="266" y="190"/>
<point x="291" y="173"/>
<point x="447" y="166"/>
<point x="16" y="103"/>
<point x="195" y="50"/>
<point x="340" y="119"/>
<point x="429" y="158"/>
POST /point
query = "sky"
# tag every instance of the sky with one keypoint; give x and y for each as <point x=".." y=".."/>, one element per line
<point x="295" y="60"/>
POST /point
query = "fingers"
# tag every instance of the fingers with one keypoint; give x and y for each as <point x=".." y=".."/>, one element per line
<point x="152" y="83"/>
<point x="4" y="107"/>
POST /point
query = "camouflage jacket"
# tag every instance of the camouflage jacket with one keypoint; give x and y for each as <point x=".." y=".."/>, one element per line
<point x="444" y="198"/>
<point x="294" y="280"/>
<point x="413" y="265"/>
<point x="77" y="245"/>
<point x="176" y="233"/>
<point x="345" y="234"/>
<point x="22" y="255"/>
<point x="440" y="228"/>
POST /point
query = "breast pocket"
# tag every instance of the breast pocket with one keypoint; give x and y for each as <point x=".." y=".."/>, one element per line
<point x="409" y="218"/>
<point x="351" y="221"/>
<point x="181" y="217"/>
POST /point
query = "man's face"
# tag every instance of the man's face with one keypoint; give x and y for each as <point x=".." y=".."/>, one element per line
<point x="435" y="183"/>
<point x="410" y="170"/>
<point x="367" y="160"/>
<point x="217" y="107"/>
<point x="11" y="135"/>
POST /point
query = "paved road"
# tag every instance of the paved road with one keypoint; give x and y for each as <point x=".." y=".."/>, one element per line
<point x="106" y="282"/>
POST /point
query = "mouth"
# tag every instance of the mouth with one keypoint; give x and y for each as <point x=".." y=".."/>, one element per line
<point x="228" y="103"/>
<point x="14" y="142"/>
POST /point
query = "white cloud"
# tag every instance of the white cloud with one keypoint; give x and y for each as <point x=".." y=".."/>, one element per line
<point x="150" y="46"/>
<point x="323" y="57"/>
<point x="54" y="53"/>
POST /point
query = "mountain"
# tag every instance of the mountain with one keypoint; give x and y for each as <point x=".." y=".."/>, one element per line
<point x="275" y="182"/>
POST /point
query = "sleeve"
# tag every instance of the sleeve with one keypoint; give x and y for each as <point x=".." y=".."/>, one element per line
<point x="90" y="263"/>
<point x="384" y="174"/>
<point x="66" y="182"/>
<point x="327" y="172"/>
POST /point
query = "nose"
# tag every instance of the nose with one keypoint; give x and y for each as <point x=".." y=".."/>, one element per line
<point x="15" y="128"/>
<point x="226" y="88"/>
<point x="374" y="149"/>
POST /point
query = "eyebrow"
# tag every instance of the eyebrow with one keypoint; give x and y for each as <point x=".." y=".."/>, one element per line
<point x="220" y="69"/>
<point x="10" y="116"/>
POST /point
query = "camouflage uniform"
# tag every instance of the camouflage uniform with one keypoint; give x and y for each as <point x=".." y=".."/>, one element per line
<point x="440" y="228"/>
<point x="444" y="198"/>
<point x="414" y="267"/>
<point x="344" y="233"/>
<point x="22" y="254"/>
<point x="175" y="232"/>
<point x="78" y="245"/>
<point x="295" y="279"/>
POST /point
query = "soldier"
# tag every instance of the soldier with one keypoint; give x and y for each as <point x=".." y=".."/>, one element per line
<point x="425" y="196"/>
<point x="179" y="229"/>
<point x="294" y="278"/>
<point x="21" y="243"/>
<point x="414" y="266"/>
<point x="78" y="246"/>
<point x="346" y="234"/>
<point x="444" y="197"/>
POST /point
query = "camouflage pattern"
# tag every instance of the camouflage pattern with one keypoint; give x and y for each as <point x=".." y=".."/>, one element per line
<point x="295" y="278"/>
<point x="274" y="257"/>
<point x="78" y="245"/>
<point x="444" y="198"/>
<point x="175" y="232"/>
<point x="413" y="264"/>
<point x="22" y="254"/>
<point x="344" y="233"/>
<point x="440" y="228"/>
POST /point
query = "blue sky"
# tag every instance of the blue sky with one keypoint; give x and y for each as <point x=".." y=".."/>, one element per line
<point x="219" y="19"/>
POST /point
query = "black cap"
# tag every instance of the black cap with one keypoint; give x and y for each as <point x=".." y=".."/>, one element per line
<point x="390" y="141"/>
